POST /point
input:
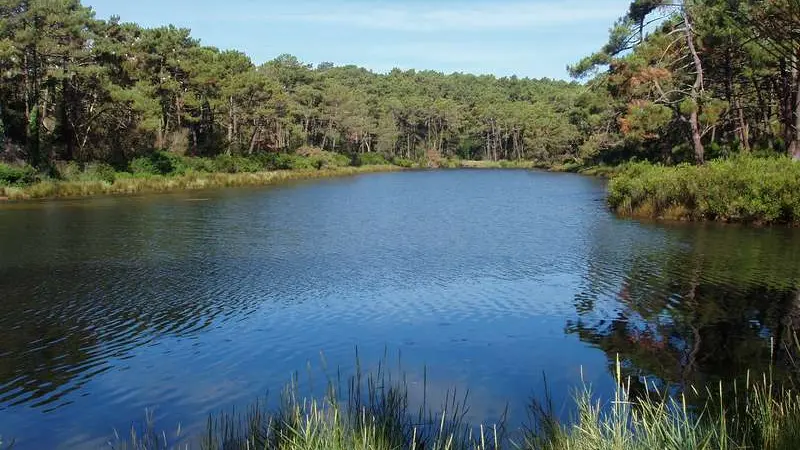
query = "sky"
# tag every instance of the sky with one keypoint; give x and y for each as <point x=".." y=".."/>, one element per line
<point x="527" y="38"/>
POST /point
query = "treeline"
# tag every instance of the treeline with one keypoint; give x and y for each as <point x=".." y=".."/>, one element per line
<point x="677" y="81"/>
<point x="696" y="79"/>
<point x="75" y="88"/>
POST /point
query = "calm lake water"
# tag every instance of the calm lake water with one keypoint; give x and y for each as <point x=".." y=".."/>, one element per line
<point x="197" y="302"/>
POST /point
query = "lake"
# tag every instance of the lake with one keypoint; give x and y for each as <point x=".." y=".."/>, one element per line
<point x="196" y="302"/>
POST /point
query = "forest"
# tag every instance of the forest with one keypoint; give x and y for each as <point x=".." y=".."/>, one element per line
<point x="76" y="88"/>
<point x="676" y="82"/>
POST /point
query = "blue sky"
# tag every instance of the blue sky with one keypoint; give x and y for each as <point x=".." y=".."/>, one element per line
<point x="528" y="38"/>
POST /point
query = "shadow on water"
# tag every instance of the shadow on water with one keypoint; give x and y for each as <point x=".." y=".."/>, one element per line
<point x="709" y="304"/>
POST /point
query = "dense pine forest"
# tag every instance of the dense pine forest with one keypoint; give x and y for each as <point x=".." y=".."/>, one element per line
<point x="78" y="88"/>
<point x="676" y="82"/>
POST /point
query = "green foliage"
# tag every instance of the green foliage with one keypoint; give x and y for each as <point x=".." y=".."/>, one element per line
<point x="404" y="162"/>
<point x="236" y="164"/>
<point x="13" y="175"/>
<point x="197" y="164"/>
<point x="156" y="163"/>
<point x="763" y="416"/>
<point x="286" y="161"/>
<point x="371" y="159"/>
<point x="738" y="189"/>
<point x="98" y="171"/>
<point x="373" y="412"/>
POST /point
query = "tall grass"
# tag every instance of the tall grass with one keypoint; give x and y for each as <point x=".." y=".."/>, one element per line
<point x="762" y="416"/>
<point x="739" y="189"/>
<point x="370" y="411"/>
<point x="373" y="412"/>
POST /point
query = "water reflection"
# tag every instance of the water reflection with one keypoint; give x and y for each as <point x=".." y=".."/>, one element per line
<point x="111" y="306"/>
<point x="707" y="303"/>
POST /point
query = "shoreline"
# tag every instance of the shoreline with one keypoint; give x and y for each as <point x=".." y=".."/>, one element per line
<point x="153" y="184"/>
<point x="61" y="189"/>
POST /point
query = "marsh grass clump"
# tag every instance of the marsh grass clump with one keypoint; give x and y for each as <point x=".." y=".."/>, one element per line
<point x="368" y="411"/>
<point x="761" y="416"/>
<point x="739" y="189"/>
<point x="373" y="411"/>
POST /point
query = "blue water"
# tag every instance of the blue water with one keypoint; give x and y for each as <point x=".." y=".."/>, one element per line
<point x="196" y="302"/>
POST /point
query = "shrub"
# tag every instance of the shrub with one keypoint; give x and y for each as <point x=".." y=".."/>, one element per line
<point x="198" y="164"/>
<point x="321" y="159"/>
<point x="156" y="163"/>
<point x="739" y="189"/>
<point x="286" y="161"/>
<point x="99" y="171"/>
<point x="403" y="162"/>
<point x="371" y="159"/>
<point x="16" y="175"/>
<point x="236" y="164"/>
<point x="324" y="160"/>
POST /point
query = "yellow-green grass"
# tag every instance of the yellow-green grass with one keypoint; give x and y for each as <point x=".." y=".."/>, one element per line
<point x="162" y="183"/>
<point x="374" y="414"/>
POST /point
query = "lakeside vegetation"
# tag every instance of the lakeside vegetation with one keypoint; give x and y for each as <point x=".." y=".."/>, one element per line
<point x="374" y="412"/>
<point x="742" y="189"/>
<point x="676" y="83"/>
<point x="162" y="171"/>
<point x="690" y="82"/>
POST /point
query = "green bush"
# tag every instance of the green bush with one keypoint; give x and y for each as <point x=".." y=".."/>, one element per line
<point x="16" y="175"/>
<point x="237" y="164"/>
<point x="198" y="164"/>
<point x="156" y="163"/>
<point x="286" y="161"/>
<point x="740" y="189"/>
<point x="403" y="162"/>
<point x="323" y="160"/>
<point x="99" y="171"/>
<point x="371" y="159"/>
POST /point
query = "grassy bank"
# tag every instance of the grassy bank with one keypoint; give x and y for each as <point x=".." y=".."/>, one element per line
<point x="742" y="189"/>
<point x="374" y="413"/>
<point x="163" y="171"/>
<point x="128" y="184"/>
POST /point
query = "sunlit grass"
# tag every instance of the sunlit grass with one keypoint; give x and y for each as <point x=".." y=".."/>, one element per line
<point x="373" y="412"/>
<point x="129" y="184"/>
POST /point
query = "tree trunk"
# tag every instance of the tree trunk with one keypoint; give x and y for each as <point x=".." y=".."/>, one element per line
<point x="254" y="139"/>
<point x="231" y="121"/>
<point x="743" y="130"/>
<point x="697" y="89"/>
<point x="794" y="134"/>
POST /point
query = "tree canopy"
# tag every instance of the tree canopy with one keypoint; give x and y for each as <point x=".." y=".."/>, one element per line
<point x="676" y="81"/>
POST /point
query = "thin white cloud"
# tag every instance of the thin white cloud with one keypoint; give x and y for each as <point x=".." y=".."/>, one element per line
<point x="427" y="17"/>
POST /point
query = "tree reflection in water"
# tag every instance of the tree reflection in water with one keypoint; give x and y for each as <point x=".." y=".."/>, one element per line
<point x="707" y="305"/>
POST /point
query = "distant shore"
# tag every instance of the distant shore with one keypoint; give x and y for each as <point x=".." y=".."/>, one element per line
<point x="52" y="189"/>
